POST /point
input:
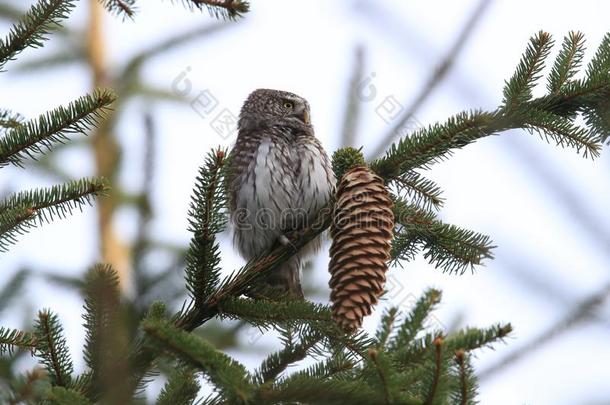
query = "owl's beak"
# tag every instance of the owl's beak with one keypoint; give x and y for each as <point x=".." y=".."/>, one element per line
<point x="305" y="117"/>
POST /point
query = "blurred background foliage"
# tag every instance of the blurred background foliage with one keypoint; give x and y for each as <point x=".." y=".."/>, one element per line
<point x="150" y="265"/>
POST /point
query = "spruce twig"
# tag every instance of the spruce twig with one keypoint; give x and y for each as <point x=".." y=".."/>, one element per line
<point x="12" y="338"/>
<point x="227" y="375"/>
<point x="120" y="7"/>
<point x="58" y="200"/>
<point x="12" y="222"/>
<point x="31" y="138"/>
<point x="567" y="62"/>
<point x="207" y="219"/>
<point x="438" y="343"/>
<point x="225" y="9"/>
<point x="52" y="349"/>
<point x="33" y="27"/>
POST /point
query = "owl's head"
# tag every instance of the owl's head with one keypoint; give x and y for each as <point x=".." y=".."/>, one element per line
<point x="265" y="107"/>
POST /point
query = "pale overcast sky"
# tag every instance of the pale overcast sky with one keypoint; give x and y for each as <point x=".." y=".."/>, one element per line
<point x="307" y="47"/>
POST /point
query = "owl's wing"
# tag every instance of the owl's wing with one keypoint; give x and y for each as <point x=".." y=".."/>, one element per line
<point x="240" y="157"/>
<point x="315" y="177"/>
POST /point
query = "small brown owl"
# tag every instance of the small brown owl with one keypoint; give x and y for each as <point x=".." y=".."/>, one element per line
<point x="280" y="177"/>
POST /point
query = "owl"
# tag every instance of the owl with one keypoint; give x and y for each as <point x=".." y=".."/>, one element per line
<point x="278" y="180"/>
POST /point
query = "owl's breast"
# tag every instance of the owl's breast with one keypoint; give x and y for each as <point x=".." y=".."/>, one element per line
<point x="264" y="197"/>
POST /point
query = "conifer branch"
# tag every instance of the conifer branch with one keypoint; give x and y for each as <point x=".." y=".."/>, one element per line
<point x="468" y="340"/>
<point x="102" y="299"/>
<point x="64" y="396"/>
<point x="548" y="114"/>
<point x="60" y="200"/>
<point x="12" y="222"/>
<point x="567" y="62"/>
<point x="229" y="376"/>
<point x="519" y="88"/>
<point x="9" y="120"/>
<point x="438" y="343"/>
<point x="374" y="356"/>
<point x="419" y="190"/>
<point x="276" y="363"/>
<point x="181" y="388"/>
<point x="52" y="349"/>
<point x="414" y="321"/>
<point x="386" y="328"/>
<point x="467" y="380"/>
<point x="120" y="7"/>
<point x="599" y="67"/>
<point x="430" y="145"/>
<point x="207" y="217"/>
<point x="31" y="138"/>
<point x="333" y="367"/>
<point x="475" y="338"/>
<point x="561" y="130"/>
<point x="265" y="314"/>
<point x="225" y="9"/>
<point x="313" y="390"/>
<point x="33" y="27"/>
<point x="13" y="338"/>
<point x="451" y="248"/>
<point x="241" y="281"/>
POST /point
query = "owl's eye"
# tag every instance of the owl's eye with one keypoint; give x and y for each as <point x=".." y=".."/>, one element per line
<point x="289" y="105"/>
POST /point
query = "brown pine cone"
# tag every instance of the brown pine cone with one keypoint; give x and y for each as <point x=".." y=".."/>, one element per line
<point x="362" y="229"/>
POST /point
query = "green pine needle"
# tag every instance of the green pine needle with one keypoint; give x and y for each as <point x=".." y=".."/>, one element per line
<point x="386" y="328"/>
<point x="265" y="314"/>
<point x="123" y="8"/>
<point x="433" y="144"/>
<point x="414" y="320"/>
<point x="221" y="9"/>
<point x="227" y="375"/>
<point x="9" y="120"/>
<point x="13" y="338"/>
<point x="52" y="349"/>
<point x="448" y="247"/>
<point x="36" y="136"/>
<point x="33" y="27"/>
<point x="567" y="63"/>
<point x="207" y="217"/>
<point x="278" y="362"/>
<point x="313" y="390"/>
<point x="419" y="190"/>
<point x="599" y="67"/>
<point x="60" y="200"/>
<point x="13" y="222"/>
<point x="561" y="131"/>
<point x="475" y="338"/>
<point x="65" y="396"/>
<point x="466" y="389"/>
<point x="101" y="314"/>
<point x="519" y="88"/>
<point x="181" y="388"/>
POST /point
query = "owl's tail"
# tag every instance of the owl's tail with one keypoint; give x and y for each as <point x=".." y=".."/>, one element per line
<point x="286" y="279"/>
